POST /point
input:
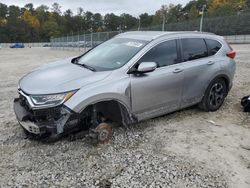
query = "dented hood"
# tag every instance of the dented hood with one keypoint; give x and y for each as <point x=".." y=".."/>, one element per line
<point x="58" y="77"/>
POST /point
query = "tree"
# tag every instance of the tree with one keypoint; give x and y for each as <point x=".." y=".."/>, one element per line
<point x="128" y="21"/>
<point x="174" y="13"/>
<point x="69" y="21"/>
<point x="14" y="12"/>
<point x="80" y="11"/>
<point x="51" y="29"/>
<point x="3" y="11"/>
<point x="56" y="8"/>
<point x="225" y="7"/>
<point x="112" y="22"/>
<point x="31" y="20"/>
<point x="31" y="23"/>
<point x="193" y="13"/>
<point x="42" y="8"/>
<point x="157" y="18"/>
<point x="248" y="3"/>
<point x="29" y="7"/>
<point x="97" y="21"/>
<point x="42" y="13"/>
<point x="146" y="20"/>
<point x="197" y="3"/>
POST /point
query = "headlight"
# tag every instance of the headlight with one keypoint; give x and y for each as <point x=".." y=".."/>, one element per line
<point x="51" y="100"/>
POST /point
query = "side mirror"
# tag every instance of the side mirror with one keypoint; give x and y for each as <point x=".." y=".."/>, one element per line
<point x="145" y="67"/>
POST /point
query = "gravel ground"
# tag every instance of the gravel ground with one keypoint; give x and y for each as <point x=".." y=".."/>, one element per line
<point x="189" y="148"/>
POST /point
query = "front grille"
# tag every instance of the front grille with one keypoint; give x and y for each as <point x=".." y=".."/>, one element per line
<point x="46" y="114"/>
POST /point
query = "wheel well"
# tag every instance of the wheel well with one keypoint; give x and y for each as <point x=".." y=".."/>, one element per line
<point x="110" y="111"/>
<point x="225" y="79"/>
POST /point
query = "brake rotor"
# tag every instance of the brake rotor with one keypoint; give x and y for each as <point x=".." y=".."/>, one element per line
<point x="105" y="132"/>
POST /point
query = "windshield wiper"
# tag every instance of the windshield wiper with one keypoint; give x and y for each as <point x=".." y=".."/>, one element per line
<point x="76" y="60"/>
<point x="87" y="67"/>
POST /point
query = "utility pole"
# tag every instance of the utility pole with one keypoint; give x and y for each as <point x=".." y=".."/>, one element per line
<point x="202" y="16"/>
<point x="164" y="9"/>
<point x="163" y="17"/>
<point x="163" y="22"/>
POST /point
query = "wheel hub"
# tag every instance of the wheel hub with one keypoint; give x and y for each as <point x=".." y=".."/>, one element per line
<point x="216" y="95"/>
<point x="104" y="132"/>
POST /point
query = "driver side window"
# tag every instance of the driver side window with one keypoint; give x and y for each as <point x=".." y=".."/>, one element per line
<point x="163" y="54"/>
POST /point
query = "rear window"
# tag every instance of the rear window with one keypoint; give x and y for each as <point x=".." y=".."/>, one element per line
<point x="193" y="48"/>
<point x="213" y="46"/>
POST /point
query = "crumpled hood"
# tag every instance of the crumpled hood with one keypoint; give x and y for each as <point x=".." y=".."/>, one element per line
<point x="58" y="77"/>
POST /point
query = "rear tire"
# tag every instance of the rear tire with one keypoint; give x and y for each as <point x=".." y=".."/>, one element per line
<point x="214" y="96"/>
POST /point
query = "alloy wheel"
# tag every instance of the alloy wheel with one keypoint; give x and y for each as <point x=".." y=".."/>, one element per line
<point x="216" y="95"/>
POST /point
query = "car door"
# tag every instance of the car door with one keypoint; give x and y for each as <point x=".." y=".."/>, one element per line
<point x="198" y="68"/>
<point x="158" y="92"/>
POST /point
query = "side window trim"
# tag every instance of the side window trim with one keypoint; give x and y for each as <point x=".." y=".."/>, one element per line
<point x="160" y="42"/>
<point x="181" y="48"/>
<point x="180" y="51"/>
<point x="208" y="46"/>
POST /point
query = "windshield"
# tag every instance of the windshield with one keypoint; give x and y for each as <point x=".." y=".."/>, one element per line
<point x="112" y="54"/>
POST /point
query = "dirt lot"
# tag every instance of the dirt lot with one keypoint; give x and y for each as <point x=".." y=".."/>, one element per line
<point x="189" y="148"/>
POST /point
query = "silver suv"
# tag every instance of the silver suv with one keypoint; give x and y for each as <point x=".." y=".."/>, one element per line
<point x="131" y="77"/>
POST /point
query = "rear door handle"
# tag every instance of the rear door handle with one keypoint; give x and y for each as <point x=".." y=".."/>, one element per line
<point x="177" y="70"/>
<point x="210" y="62"/>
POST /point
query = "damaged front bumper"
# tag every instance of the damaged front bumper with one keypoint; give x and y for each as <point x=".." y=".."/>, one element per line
<point x="50" y="121"/>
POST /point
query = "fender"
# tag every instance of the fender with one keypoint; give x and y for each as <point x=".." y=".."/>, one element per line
<point x="119" y="91"/>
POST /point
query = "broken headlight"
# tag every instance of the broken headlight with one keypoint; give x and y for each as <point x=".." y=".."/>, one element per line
<point x="51" y="100"/>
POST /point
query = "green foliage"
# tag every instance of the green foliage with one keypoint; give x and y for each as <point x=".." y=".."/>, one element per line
<point x="3" y="10"/>
<point x="29" y="23"/>
<point x="112" y="21"/>
<point x="146" y="19"/>
<point x="225" y="10"/>
<point x="248" y="3"/>
<point x="51" y="29"/>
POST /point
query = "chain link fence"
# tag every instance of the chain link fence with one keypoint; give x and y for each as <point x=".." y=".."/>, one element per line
<point x="81" y="42"/>
<point x="236" y="29"/>
<point x="227" y="25"/>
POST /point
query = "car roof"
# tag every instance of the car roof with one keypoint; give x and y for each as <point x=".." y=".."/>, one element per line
<point x="152" y="35"/>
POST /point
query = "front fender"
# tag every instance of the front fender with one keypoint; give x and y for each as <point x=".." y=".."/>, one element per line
<point x="110" y="90"/>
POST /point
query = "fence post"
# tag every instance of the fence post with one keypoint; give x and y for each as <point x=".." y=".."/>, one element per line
<point x="84" y="38"/>
<point x="62" y="41"/>
<point x="51" y="43"/>
<point x="91" y="39"/>
<point x="72" y="40"/>
<point x="78" y="42"/>
<point x="67" y="42"/>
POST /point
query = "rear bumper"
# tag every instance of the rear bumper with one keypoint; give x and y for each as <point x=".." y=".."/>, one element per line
<point x="32" y="124"/>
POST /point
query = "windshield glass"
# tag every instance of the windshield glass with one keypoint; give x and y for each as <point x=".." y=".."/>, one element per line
<point x="112" y="54"/>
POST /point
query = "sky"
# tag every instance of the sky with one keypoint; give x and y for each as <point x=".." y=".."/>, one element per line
<point x="133" y="7"/>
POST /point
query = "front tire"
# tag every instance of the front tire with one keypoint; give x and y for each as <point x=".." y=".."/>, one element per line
<point x="214" y="96"/>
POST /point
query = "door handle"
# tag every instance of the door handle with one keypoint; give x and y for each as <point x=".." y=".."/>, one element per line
<point x="210" y="62"/>
<point x="177" y="70"/>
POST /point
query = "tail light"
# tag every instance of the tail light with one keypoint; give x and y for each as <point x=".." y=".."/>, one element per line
<point x="231" y="54"/>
